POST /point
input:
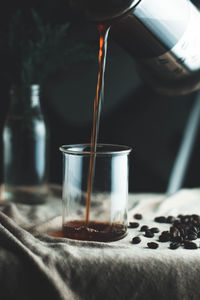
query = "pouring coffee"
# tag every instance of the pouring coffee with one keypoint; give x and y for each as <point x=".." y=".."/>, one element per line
<point x="162" y="37"/>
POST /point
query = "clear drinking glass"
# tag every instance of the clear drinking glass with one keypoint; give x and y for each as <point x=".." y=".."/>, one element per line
<point x="103" y="216"/>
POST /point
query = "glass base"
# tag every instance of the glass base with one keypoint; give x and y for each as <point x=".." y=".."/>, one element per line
<point x="94" y="231"/>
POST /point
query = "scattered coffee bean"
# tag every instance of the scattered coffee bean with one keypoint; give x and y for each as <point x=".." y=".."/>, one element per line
<point x="154" y="230"/>
<point x="177" y="239"/>
<point x="174" y="246"/>
<point x="196" y="217"/>
<point x="183" y="230"/>
<point x="152" y="245"/>
<point x="190" y="245"/>
<point x="185" y="220"/>
<point x="136" y="240"/>
<point x="174" y="231"/>
<point x="195" y="223"/>
<point x="170" y="219"/>
<point x="149" y="234"/>
<point x="177" y="223"/>
<point x="165" y="232"/>
<point x="164" y="237"/>
<point x="160" y="219"/>
<point x="138" y="216"/>
<point x="192" y="237"/>
<point x="133" y="225"/>
<point x="144" y="228"/>
<point x="194" y="229"/>
<point x="191" y="231"/>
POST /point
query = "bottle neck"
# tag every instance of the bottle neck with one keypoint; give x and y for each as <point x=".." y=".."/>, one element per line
<point x="25" y="99"/>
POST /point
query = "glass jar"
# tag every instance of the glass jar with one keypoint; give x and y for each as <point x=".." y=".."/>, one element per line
<point x="102" y="216"/>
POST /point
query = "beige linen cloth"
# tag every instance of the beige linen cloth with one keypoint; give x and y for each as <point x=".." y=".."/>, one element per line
<point x="34" y="265"/>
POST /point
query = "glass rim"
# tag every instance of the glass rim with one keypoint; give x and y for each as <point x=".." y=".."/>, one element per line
<point x="135" y="3"/>
<point x="73" y="149"/>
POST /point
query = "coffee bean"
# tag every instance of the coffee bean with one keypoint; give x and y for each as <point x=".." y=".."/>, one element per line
<point x="170" y="219"/>
<point x="144" y="228"/>
<point x="149" y="234"/>
<point x="174" y="230"/>
<point x="175" y="235"/>
<point x="191" y="231"/>
<point x="160" y="219"/>
<point x="138" y="216"/>
<point x="194" y="222"/>
<point x="176" y="223"/>
<point x="188" y="227"/>
<point x="164" y="237"/>
<point x="154" y="230"/>
<point x="186" y="220"/>
<point x="182" y="231"/>
<point x="192" y="237"/>
<point x="165" y="232"/>
<point x="195" y="229"/>
<point x="196" y="217"/>
<point x="133" y="224"/>
<point x="177" y="239"/>
<point x="174" y="246"/>
<point x="136" y="240"/>
<point x="152" y="245"/>
<point x="190" y="245"/>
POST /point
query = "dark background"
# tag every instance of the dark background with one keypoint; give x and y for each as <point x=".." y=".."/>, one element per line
<point x="132" y="113"/>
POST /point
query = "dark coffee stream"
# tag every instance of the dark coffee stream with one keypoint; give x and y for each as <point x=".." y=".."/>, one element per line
<point x="103" y="37"/>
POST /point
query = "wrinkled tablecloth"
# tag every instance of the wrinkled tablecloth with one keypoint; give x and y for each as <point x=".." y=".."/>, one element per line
<point x="35" y="265"/>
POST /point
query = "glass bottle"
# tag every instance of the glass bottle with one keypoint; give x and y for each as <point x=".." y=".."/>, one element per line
<point x="25" y="143"/>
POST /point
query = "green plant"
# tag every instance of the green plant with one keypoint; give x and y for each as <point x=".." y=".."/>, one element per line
<point x="36" y="49"/>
